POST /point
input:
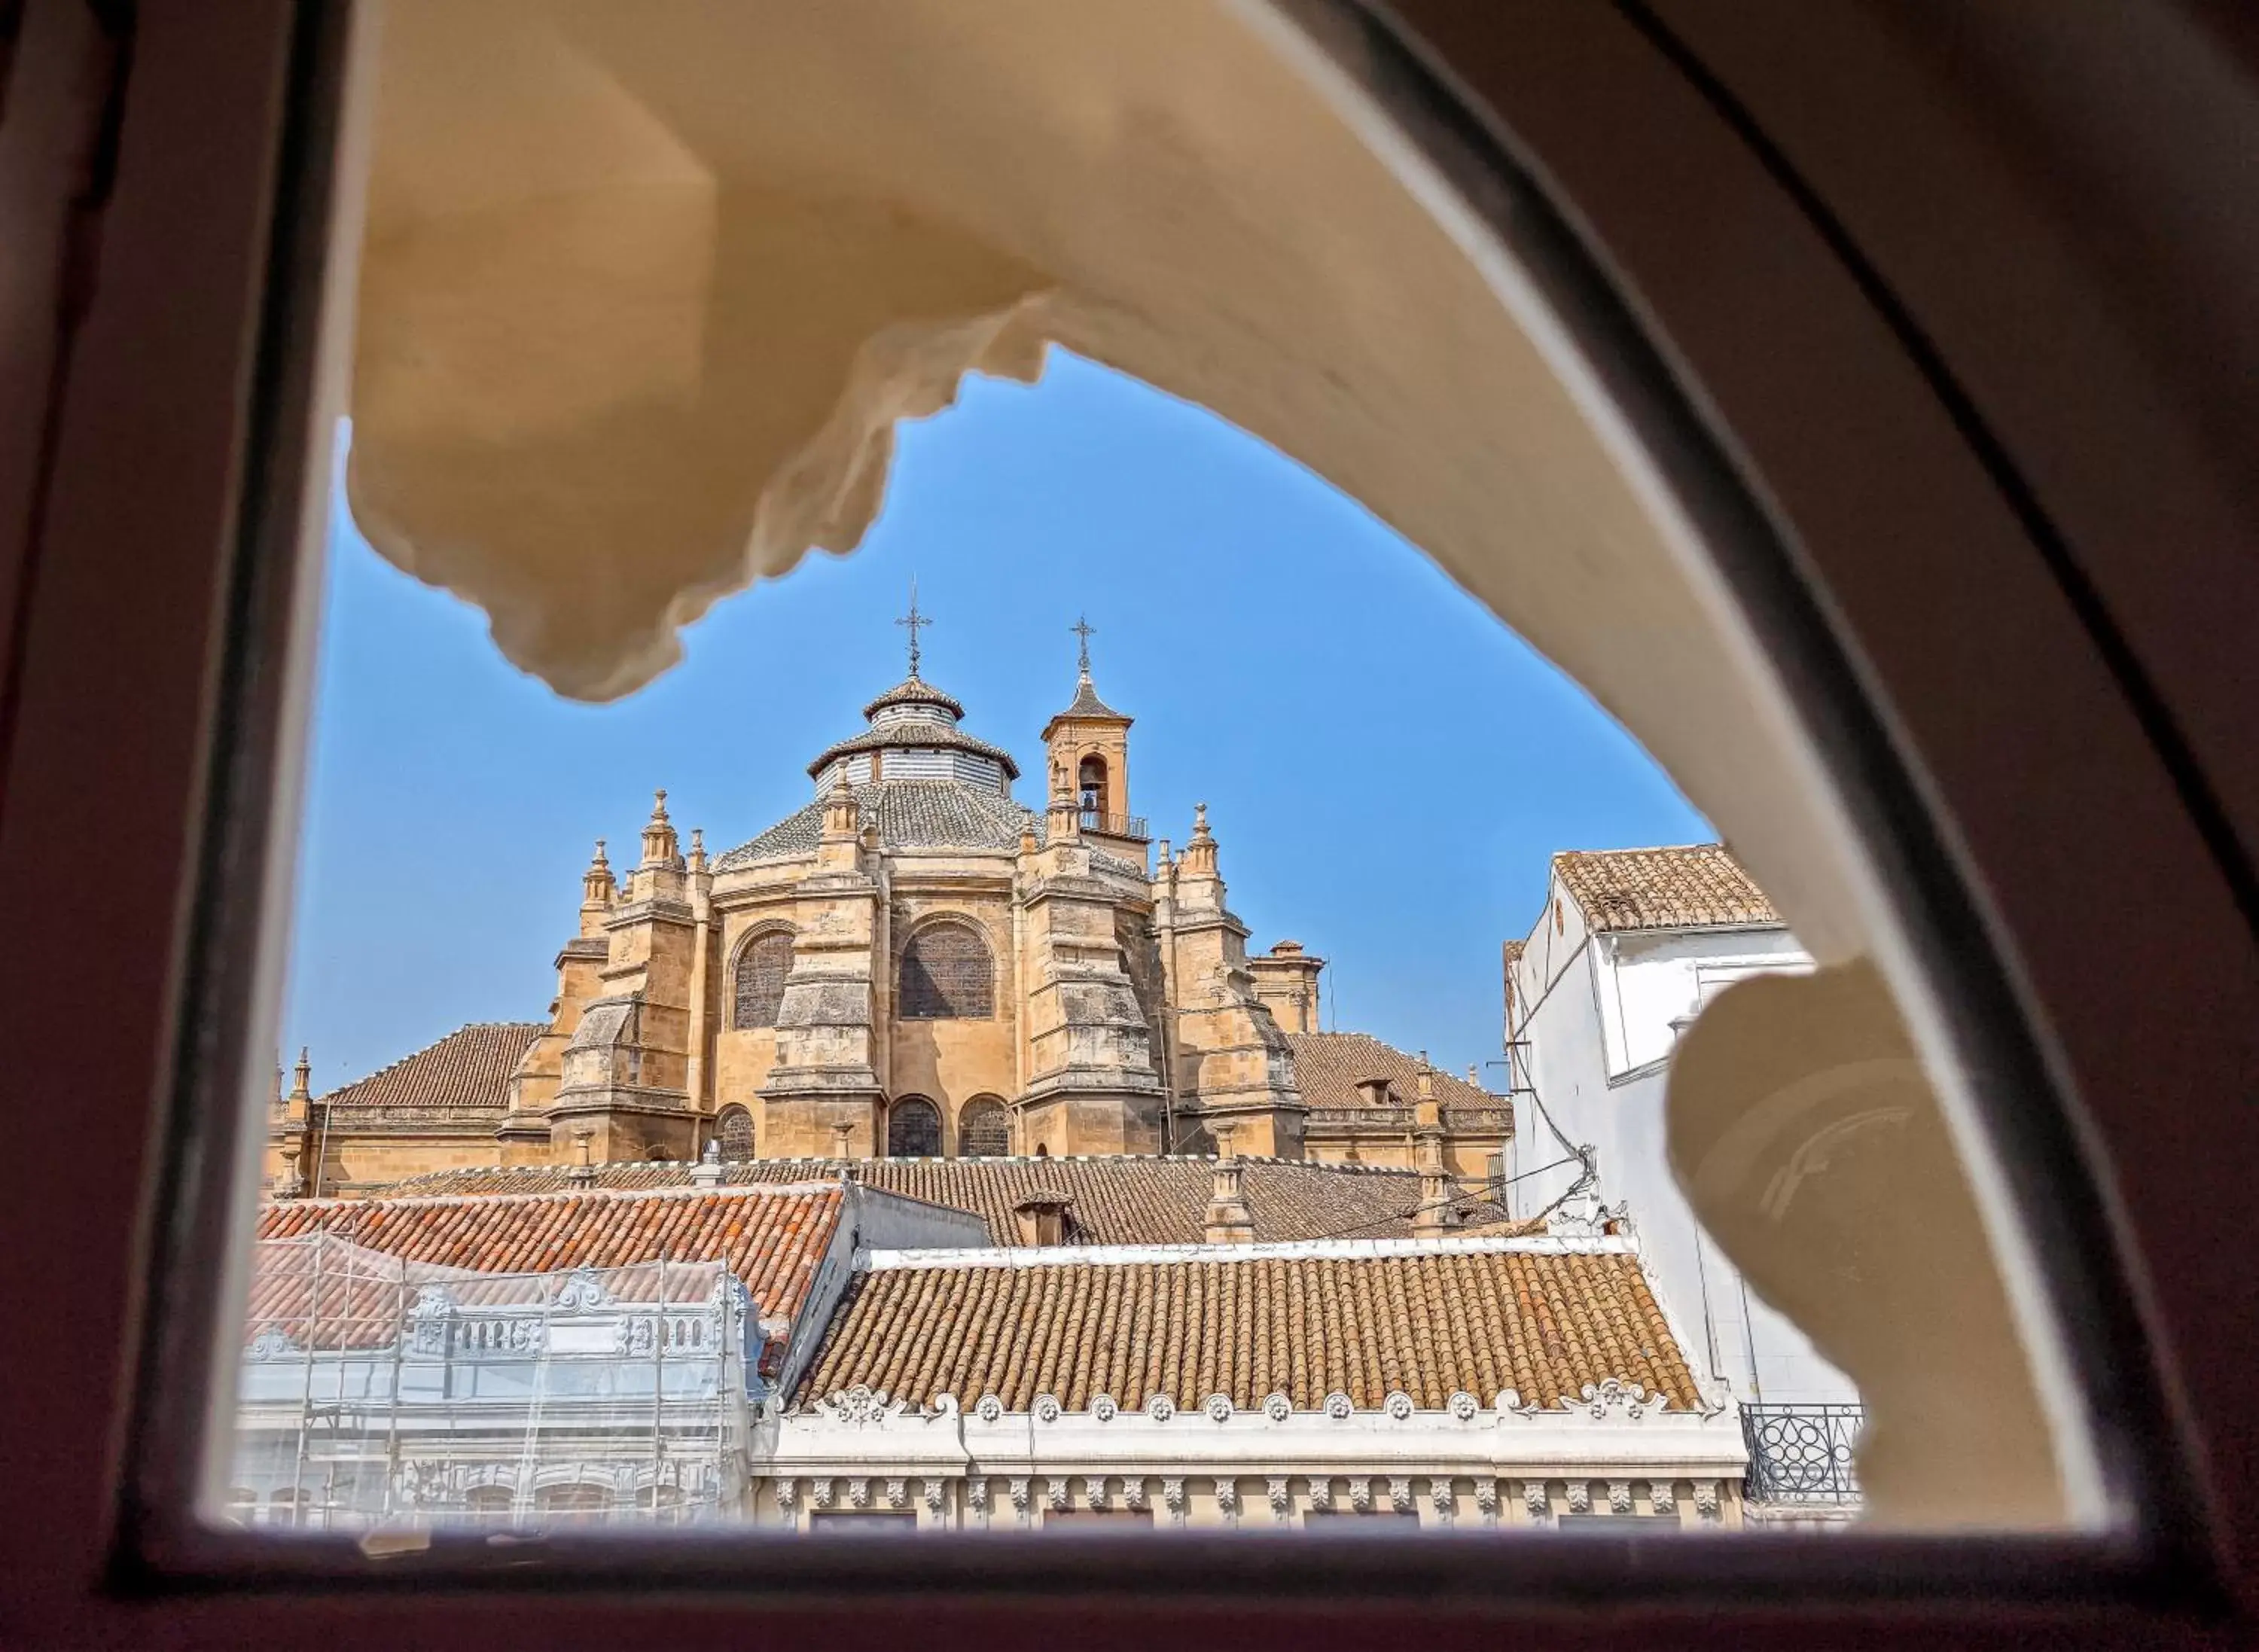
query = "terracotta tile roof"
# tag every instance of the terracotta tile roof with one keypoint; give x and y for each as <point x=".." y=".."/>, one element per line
<point x="1116" y="1199"/>
<point x="468" y="1068"/>
<point x="1478" y="1317"/>
<point x="1327" y="1066"/>
<point x="770" y="1238"/>
<point x="1686" y="886"/>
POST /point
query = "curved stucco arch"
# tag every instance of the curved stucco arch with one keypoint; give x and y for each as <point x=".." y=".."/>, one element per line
<point x="644" y="290"/>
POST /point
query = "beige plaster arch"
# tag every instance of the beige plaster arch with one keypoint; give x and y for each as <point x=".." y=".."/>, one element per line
<point x="644" y="291"/>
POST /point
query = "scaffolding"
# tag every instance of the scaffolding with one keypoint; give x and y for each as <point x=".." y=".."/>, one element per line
<point x="381" y="1392"/>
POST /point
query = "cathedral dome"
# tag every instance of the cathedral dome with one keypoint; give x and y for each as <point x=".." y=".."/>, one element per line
<point x="920" y="778"/>
<point x="914" y="736"/>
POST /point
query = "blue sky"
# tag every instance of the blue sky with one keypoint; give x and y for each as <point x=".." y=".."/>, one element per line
<point x="1387" y="767"/>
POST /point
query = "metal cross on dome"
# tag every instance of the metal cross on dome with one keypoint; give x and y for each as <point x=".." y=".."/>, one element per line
<point x="914" y="620"/>
<point x="1083" y="629"/>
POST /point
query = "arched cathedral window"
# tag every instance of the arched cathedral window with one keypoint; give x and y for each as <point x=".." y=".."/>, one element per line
<point x="984" y="1129"/>
<point x="763" y="963"/>
<point x="734" y="1130"/>
<point x="947" y="975"/>
<point x="914" y="1129"/>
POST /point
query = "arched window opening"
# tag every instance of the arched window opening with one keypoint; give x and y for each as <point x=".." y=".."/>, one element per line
<point x="763" y="963"/>
<point x="947" y="975"/>
<point x="734" y="1130"/>
<point x="914" y="1129"/>
<point x="984" y="1129"/>
<point x="576" y="1503"/>
<point x="1090" y="784"/>
<point x="661" y="1156"/>
<point x="490" y="1503"/>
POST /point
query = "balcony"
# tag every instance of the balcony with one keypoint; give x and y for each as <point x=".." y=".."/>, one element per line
<point x="1802" y="1455"/>
<point x="1113" y="825"/>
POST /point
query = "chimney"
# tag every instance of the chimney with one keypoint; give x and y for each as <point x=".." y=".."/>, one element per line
<point x="706" y="1172"/>
<point x="1040" y="1217"/>
<point x="582" y="1174"/>
<point x="1228" y="1221"/>
<point x="841" y="1135"/>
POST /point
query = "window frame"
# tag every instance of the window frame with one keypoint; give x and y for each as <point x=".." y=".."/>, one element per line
<point x="934" y="924"/>
<point x="151" y="1555"/>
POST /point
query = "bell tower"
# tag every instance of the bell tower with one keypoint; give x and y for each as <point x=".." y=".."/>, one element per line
<point x="1087" y="764"/>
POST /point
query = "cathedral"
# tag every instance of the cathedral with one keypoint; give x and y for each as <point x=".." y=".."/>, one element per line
<point x="913" y="964"/>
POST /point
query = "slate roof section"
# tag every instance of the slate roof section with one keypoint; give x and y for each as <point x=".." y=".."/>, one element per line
<point x="1473" y="1316"/>
<point x="772" y="1238"/>
<point x="1086" y="703"/>
<point x="914" y="691"/>
<point x="1117" y="1201"/>
<point x="910" y="814"/>
<point x="916" y="734"/>
<point x="469" y="1068"/>
<point x="1691" y="886"/>
<point x="1328" y="1065"/>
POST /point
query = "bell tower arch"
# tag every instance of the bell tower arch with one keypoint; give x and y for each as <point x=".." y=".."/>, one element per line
<point x="1086" y="763"/>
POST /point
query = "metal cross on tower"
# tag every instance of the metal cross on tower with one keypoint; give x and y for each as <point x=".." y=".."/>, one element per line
<point x="1083" y="629"/>
<point x="914" y="620"/>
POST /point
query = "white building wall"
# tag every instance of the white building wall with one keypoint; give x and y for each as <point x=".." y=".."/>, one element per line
<point x="1594" y="1014"/>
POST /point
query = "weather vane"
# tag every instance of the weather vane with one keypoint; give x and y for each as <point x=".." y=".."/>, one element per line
<point x="1083" y="629"/>
<point x="913" y="620"/>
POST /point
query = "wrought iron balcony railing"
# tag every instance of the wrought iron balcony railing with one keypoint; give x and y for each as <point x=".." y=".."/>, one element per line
<point x="1802" y="1454"/>
<point x="1114" y="825"/>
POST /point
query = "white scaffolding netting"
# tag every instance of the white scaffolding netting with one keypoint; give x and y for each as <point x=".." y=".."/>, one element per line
<point x="377" y="1391"/>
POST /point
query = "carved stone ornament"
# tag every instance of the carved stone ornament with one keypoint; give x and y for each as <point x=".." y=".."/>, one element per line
<point x="1398" y="1405"/>
<point x="944" y="1405"/>
<point x="1618" y="1401"/>
<point x="1227" y="1496"/>
<point x="858" y="1493"/>
<point x="976" y="1494"/>
<point x="1321" y="1494"/>
<point x="1019" y="1494"/>
<point x="1399" y="1494"/>
<point x="935" y="1493"/>
<point x="1059" y="1494"/>
<point x="1705" y="1499"/>
<point x="1463" y="1406"/>
<point x="582" y="1291"/>
<point x="1104" y="1407"/>
<point x="1360" y="1494"/>
<point x="1276" y="1489"/>
<point x="1046" y="1408"/>
<point x="820" y="1494"/>
<point x="270" y="1343"/>
<point x="1278" y="1407"/>
<point x="1173" y="1494"/>
<point x="988" y="1408"/>
<point x="1133" y="1493"/>
<point x="1439" y="1493"/>
<point x="1218" y="1407"/>
<point x="1534" y="1499"/>
<point x="1338" y="1406"/>
<point x="1094" y="1491"/>
<point x="1664" y="1495"/>
<point x="1160" y="1408"/>
<point x="1580" y="1497"/>
<point x="1486" y="1498"/>
<point x="787" y="1495"/>
<point x="861" y="1406"/>
<point x="1619" y="1497"/>
<point x="898" y="1493"/>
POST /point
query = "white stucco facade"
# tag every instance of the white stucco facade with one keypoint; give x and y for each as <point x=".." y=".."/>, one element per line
<point x="1592" y="1015"/>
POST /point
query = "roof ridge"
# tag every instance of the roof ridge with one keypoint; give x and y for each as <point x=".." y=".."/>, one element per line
<point x="763" y="1189"/>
